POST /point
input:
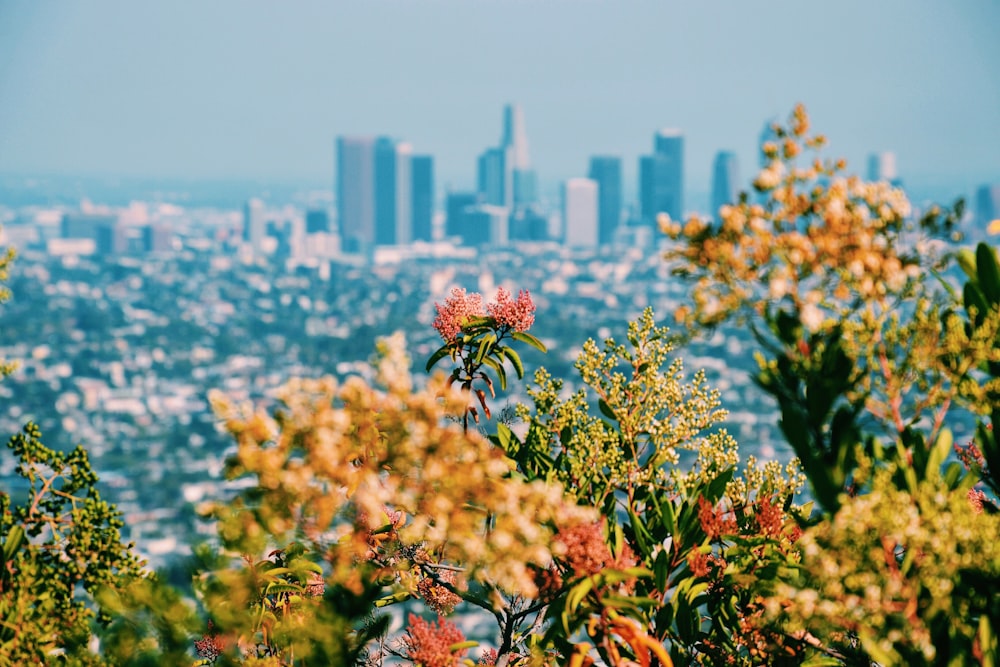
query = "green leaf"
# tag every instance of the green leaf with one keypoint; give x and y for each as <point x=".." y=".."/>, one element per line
<point x="578" y="594"/>
<point x="15" y="538"/>
<point x="529" y="339"/>
<point x="661" y="570"/>
<point x="440" y="354"/>
<point x="973" y="297"/>
<point x="498" y="369"/>
<point x="988" y="272"/>
<point x="606" y="409"/>
<point x="966" y="260"/>
<point x="504" y="437"/>
<point x="515" y="359"/>
<point x="485" y="346"/>
<point x="938" y="454"/>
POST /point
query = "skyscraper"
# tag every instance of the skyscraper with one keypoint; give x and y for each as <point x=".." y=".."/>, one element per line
<point x="661" y="177"/>
<point x="882" y="167"/>
<point x="505" y="177"/>
<point x="374" y="197"/>
<point x="987" y="204"/>
<point x="495" y="177"/>
<point x="515" y="139"/>
<point x="317" y="220"/>
<point x="457" y="205"/>
<point x="725" y="176"/>
<point x="422" y="191"/>
<point x="606" y="171"/>
<point x="392" y="192"/>
<point x="254" y="223"/>
<point x="580" y="212"/>
<point x="356" y="192"/>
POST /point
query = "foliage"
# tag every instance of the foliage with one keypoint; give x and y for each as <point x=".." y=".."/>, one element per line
<point x="613" y="525"/>
<point x="474" y="340"/>
<point x="60" y="547"/>
<point x="913" y="576"/>
<point x="6" y="259"/>
<point x="671" y="528"/>
<point x="865" y="349"/>
<point x="386" y="495"/>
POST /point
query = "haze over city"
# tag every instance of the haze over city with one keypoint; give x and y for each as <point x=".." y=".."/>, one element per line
<point x="255" y="90"/>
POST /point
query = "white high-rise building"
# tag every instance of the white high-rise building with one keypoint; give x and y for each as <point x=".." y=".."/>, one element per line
<point x="580" y="212"/>
<point x="882" y="167"/>
<point x="254" y="223"/>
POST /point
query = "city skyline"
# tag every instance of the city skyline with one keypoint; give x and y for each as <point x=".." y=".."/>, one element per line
<point x="249" y="90"/>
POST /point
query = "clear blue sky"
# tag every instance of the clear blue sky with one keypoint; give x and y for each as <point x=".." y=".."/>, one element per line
<point x="259" y="89"/>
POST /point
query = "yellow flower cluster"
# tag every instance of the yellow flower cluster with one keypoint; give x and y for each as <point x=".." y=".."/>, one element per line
<point x="885" y="569"/>
<point x="335" y="457"/>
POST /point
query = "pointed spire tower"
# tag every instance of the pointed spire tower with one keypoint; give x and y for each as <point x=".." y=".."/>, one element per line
<point x="514" y="143"/>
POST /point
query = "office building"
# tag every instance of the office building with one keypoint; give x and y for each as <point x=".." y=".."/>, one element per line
<point x="393" y="201"/>
<point x="725" y="179"/>
<point x="457" y="205"/>
<point x="374" y="192"/>
<point x="422" y="197"/>
<point x="504" y="174"/>
<point x="85" y="225"/>
<point x="882" y="167"/>
<point x="495" y="177"/>
<point x="317" y="221"/>
<point x="661" y="178"/>
<point x="606" y="171"/>
<point x="356" y="192"/>
<point x="987" y="204"/>
<point x="515" y="140"/>
<point x="254" y="223"/>
<point x="580" y="212"/>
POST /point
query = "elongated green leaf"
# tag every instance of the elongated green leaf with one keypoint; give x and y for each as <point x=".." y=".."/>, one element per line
<point x="530" y="340"/>
<point x="661" y="570"/>
<point x="515" y="359"/>
<point x="578" y="594"/>
<point x="988" y="272"/>
<point x="438" y="355"/>
<point x="966" y="260"/>
<point x="485" y="346"/>
<point x="15" y="537"/>
<point x="498" y="369"/>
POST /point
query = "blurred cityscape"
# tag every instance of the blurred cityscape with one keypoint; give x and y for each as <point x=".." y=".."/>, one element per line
<point x="126" y="313"/>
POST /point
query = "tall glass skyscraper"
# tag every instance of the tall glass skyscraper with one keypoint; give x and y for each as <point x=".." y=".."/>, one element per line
<point x="496" y="177"/>
<point x="661" y="177"/>
<point x="505" y="177"/>
<point x="606" y="171"/>
<point x="356" y="192"/>
<point x="515" y="139"/>
<point x="422" y="191"/>
<point x="725" y="177"/>
<point x="374" y="199"/>
<point x="392" y="192"/>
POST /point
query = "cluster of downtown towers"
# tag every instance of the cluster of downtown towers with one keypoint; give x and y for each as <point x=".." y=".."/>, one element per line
<point x="385" y="194"/>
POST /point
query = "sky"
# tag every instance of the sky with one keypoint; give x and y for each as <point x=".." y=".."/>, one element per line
<point x="254" y="89"/>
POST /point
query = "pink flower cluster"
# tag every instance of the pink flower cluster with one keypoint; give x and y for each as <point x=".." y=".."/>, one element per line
<point x="438" y="597"/>
<point x="429" y="645"/>
<point x="518" y="314"/>
<point x="461" y="307"/>
<point x="211" y="645"/>
<point x="456" y="312"/>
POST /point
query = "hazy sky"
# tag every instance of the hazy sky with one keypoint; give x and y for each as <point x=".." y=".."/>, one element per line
<point x="255" y="89"/>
